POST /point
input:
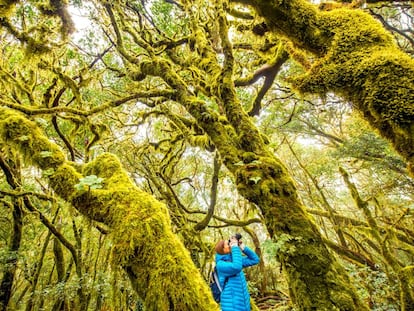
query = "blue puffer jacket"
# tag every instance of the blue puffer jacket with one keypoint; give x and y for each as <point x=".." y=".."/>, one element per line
<point x="235" y="295"/>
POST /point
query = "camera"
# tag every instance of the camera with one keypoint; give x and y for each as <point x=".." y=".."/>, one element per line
<point x="237" y="236"/>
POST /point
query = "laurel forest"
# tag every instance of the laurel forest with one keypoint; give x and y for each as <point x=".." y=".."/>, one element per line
<point x="134" y="135"/>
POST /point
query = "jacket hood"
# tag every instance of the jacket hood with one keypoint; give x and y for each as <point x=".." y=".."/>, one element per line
<point x="226" y="257"/>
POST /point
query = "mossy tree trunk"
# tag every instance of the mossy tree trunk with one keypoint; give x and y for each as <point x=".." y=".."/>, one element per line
<point x="34" y="301"/>
<point x="10" y="169"/>
<point x="357" y="59"/>
<point x="160" y="268"/>
<point x="60" y="271"/>
<point x="316" y="280"/>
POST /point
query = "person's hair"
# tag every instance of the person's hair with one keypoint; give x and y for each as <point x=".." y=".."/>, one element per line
<point x="220" y="247"/>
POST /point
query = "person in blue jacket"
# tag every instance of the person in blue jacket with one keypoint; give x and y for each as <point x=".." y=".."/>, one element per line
<point x="230" y="263"/>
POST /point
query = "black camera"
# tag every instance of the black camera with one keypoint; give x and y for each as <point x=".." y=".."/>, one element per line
<point x="237" y="236"/>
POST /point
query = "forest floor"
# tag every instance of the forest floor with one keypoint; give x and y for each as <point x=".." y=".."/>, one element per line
<point x="273" y="303"/>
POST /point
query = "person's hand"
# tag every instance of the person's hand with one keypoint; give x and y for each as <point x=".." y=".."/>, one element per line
<point x="241" y="245"/>
<point x="233" y="242"/>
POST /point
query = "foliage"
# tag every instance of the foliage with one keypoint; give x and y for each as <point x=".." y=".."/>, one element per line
<point x="89" y="182"/>
<point x="118" y="87"/>
<point x="377" y="288"/>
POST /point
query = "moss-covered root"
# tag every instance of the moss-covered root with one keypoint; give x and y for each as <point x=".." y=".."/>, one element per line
<point x="159" y="266"/>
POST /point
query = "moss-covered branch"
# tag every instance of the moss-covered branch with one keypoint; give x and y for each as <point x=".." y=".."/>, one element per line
<point x="344" y="221"/>
<point x="316" y="279"/>
<point x="358" y="60"/>
<point x="407" y="294"/>
<point x="78" y="112"/>
<point x="351" y="255"/>
<point x="140" y="226"/>
<point x="53" y="12"/>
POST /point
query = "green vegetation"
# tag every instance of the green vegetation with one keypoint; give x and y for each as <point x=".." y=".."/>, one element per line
<point x="128" y="148"/>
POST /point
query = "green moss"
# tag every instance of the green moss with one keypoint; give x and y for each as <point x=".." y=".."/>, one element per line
<point x="327" y="286"/>
<point x="356" y="59"/>
<point x="143" y="240"/>
<point x="147" y="232"/>
<point x="361" y="62"/>
<point x="363" y="65"/>
<point x="354" y="36"/>
<point x="110" y="168"/>
<point x="316" y="280"/>
<point x="295" y="19"/>
<point x="24" y="135"/>
<point x="249" y="157"/>
<point x="64" y="179"/>
<point x="158" y="264"/>
<point x="6" y="7"/>
<point x="406" y="275"/>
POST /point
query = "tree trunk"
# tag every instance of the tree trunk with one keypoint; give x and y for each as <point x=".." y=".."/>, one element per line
<point x="60" y="271"/>
<point x="34" y="300"/>
<point x="11" y="170"/>
<point x="10" y="265"/>
<point x="158" y="265"/>
<point x="317" y="281"/>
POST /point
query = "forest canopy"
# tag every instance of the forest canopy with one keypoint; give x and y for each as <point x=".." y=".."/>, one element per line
<point x="136" y="134"/>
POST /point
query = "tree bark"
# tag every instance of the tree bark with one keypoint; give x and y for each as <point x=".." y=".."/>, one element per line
<point x="60" y="272"/>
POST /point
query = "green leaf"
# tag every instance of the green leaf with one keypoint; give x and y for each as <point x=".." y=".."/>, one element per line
<point x="48" y="172"/>
<point x="89" y="182"/>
